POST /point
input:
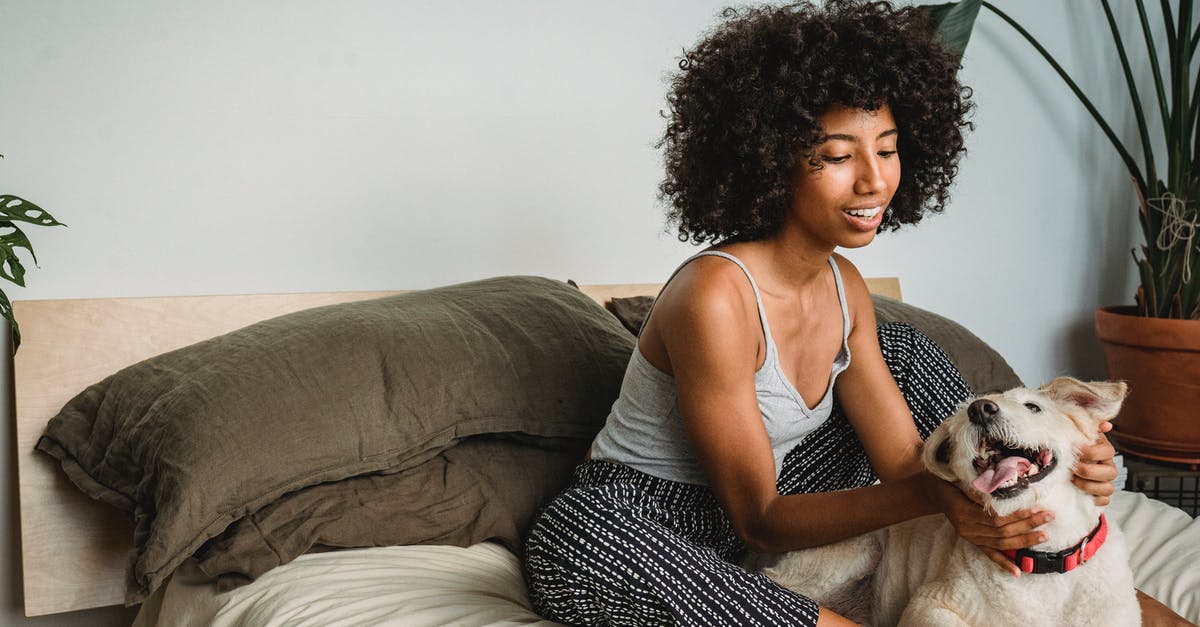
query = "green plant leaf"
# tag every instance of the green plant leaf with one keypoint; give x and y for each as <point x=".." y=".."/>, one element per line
<point x="17" y="209"/>
<point x="21" y="210"/>
<point x="1135" y="99"/>
<point x="955" y="21"/>
<point x="1169" y="25"/>
<point x="10" y="264"/>
<point x="7" y="312"/>
<point x="1163" y="110"/>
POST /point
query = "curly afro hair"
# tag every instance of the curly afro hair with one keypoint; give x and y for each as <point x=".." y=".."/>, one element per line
<point x="745" y="104"/>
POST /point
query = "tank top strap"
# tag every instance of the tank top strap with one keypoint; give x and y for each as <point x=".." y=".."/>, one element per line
<point x="841" y="292"/>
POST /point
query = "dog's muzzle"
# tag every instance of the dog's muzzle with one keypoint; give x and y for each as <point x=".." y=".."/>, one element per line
<point x="1005" y="471"/>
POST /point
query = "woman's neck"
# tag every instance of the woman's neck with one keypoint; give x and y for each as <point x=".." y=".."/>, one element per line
<point x="781" y="263"/>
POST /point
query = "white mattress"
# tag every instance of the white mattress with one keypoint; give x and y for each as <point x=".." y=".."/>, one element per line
<point x="482" y="585"/>
<point x="1164" y="550"/>
<point x="404" y="585"/>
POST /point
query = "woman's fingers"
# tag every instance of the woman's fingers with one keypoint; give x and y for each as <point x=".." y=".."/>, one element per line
<point x="1002" y="561"/>
<point x="1102" y="472"/>
<point x="1100" y="451"/>
<point x="1095" y="471"/>
<point x="1005" y="543"/>
<point x="1036" y="516"/>
<point x="1013" y="536"/>
<point x="1017" y="530"/>
<point x="1101" y="491"/>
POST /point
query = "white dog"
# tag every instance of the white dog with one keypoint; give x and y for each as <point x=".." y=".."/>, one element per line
<point x="1014" y="450"/>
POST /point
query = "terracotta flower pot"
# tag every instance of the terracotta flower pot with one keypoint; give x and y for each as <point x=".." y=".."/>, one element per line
<point x="1160" y="359"/>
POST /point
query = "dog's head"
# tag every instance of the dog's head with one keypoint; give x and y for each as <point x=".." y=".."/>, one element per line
<point x="1010" y="447"/>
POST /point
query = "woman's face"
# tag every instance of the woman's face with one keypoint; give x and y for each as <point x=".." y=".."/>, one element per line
<point x="842" y="203"/>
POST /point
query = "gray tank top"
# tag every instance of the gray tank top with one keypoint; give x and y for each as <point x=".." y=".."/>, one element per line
<point x="644" y="430"/>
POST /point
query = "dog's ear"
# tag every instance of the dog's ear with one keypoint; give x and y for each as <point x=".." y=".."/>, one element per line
<point x="1100" y="399"/>
<point x="936" y="453"/>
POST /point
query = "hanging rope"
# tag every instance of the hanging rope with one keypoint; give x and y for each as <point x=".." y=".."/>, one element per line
<point x="1177" y="227"/>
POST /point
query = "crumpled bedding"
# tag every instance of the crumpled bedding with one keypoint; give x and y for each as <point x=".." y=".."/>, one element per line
<point x="1164" y="547"/>
<point x="482" y="585"/>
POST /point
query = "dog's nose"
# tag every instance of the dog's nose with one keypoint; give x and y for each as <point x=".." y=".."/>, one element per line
<point x="982" y="411"/>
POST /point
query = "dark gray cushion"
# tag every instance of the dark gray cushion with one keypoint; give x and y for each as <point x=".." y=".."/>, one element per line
<point x="192" y="440"/>
<point x="483" y="488"/>
<point x="981" y="366"/>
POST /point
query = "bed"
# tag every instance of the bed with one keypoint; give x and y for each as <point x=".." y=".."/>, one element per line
<point x="256" y="559"/>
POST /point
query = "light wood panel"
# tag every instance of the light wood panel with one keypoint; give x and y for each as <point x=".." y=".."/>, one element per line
<point x="884" y="286"/>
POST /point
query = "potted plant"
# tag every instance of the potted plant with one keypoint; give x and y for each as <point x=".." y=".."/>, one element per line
<point x="12" y="211"/>
<point x="1154" y="344"/>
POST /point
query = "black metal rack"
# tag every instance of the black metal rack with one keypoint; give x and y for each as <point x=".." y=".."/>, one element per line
<point x="1173" y="484"/>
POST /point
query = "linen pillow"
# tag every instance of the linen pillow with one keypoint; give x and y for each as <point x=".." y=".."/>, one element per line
<point x="980" y="365"/>
<point x="193" y="440"/>
<point x="483" y="488"/>
<point x="632" y="311"/>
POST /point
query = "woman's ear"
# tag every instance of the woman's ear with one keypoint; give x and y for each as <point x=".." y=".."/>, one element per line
<point x="936" y="453"/>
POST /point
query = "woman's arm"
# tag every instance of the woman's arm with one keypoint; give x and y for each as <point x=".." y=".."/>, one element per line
<point x="868" y="394"/>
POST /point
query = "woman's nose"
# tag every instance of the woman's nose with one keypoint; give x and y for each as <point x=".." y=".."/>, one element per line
<point x="870" y="177"/>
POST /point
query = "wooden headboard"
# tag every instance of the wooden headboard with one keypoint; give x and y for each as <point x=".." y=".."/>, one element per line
<point x="74" y="549"/>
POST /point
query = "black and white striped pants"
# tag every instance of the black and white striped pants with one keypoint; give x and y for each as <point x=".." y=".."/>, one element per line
<point x="621" y="547"/>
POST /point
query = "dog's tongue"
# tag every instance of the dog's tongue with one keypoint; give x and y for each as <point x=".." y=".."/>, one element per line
<point x="1006" y="469"/>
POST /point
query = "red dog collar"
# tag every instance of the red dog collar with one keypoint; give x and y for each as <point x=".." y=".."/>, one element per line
<point x="1066" y="560"/>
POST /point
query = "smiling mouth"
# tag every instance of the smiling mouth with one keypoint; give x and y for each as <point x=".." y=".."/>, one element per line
<point x="1005" y="471"/>
<point x="865" y="214"/>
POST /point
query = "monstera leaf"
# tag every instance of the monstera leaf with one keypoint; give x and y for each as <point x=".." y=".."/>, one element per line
<point x="13" y="210"/>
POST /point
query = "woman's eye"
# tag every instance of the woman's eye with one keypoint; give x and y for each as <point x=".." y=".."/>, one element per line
<point x="886" y="153"/>
<point x="1033" y="408"/>
<point x="833" y="159"/>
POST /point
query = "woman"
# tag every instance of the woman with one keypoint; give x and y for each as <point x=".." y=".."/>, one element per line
<point x="788" y="130"/>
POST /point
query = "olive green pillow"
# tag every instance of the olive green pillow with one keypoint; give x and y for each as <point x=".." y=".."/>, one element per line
<point x="192" y="440"/>
<point x="984" y="369"/>
<point x="483" y="488"/>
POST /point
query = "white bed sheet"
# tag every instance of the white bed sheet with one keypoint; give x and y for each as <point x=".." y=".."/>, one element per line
<point x="481" y="585"/>
<point x="413" y="586"/>
<point x="1164" y="550"/>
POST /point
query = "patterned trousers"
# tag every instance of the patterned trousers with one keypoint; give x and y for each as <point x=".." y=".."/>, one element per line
<point x="621" y="547"/>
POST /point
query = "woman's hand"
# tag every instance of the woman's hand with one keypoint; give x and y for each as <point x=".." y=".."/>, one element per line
<point x="992" y="534"/>
<point x="1095" y="471"/>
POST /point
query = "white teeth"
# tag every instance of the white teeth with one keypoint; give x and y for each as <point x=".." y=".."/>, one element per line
<point x="865" y="213"/>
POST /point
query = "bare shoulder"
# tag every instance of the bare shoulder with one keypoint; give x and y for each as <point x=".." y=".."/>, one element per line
<point x="710" y="303"/>
<point x="709" y="285"/>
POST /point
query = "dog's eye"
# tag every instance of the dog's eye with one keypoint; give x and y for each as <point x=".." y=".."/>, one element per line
<point x="1033" y="408"/>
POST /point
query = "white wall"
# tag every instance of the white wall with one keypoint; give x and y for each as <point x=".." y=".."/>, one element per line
<point x="275" y="146"/>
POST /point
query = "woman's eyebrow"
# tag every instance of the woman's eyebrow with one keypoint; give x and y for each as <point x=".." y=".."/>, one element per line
<point x="854" y="138"/>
